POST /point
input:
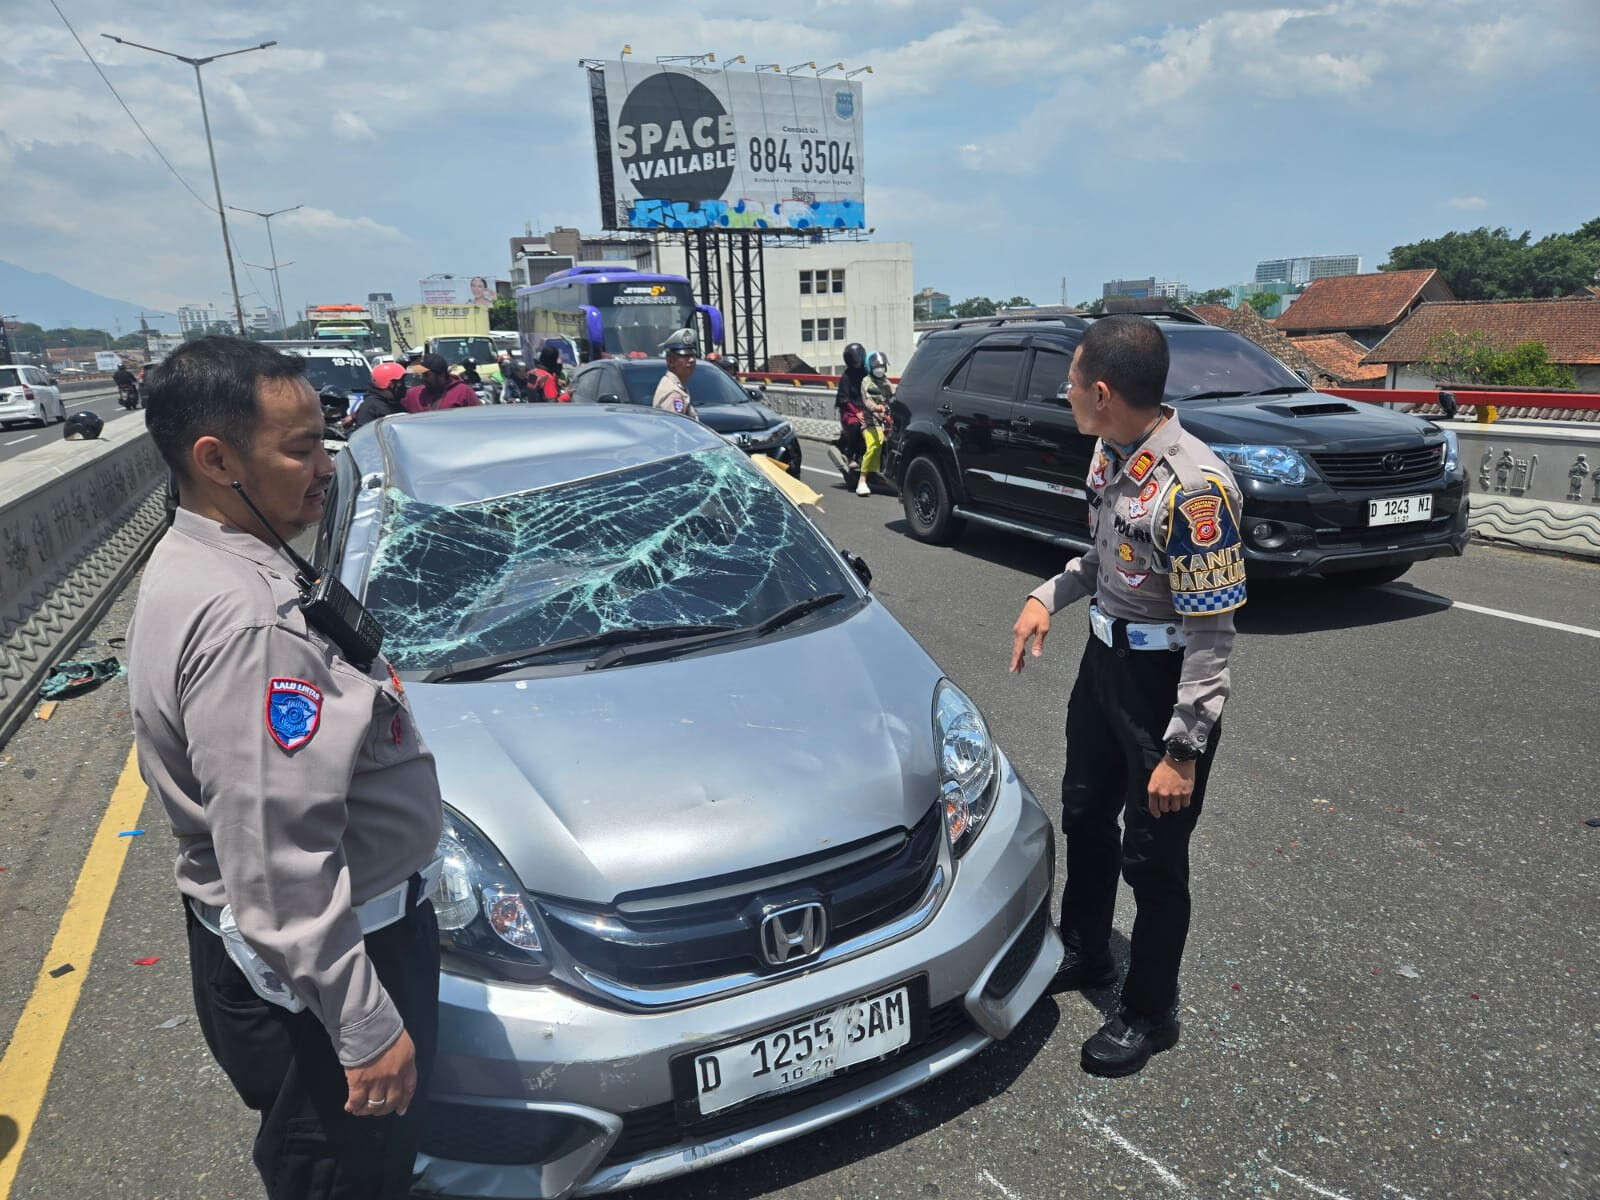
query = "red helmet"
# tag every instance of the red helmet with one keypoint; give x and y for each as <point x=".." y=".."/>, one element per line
<point x="385" y="374"/>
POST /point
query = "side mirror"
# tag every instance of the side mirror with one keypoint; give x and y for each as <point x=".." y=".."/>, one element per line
<point x="1305" y="378"/>
<point x="52" y="381"/>
<point x="859" y="566"/>
<point x="754" y="393"/>
<point x="610" y="398"/>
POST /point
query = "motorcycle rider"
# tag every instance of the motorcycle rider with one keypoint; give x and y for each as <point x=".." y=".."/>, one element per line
<point x="386" y="397"/>
<point x="127" y="385"/>
<point x="469" y="373"/>
<point x="439" y="390"/>
<point x="544" y="382"/>
<point x="850" y="452"/>
<point x="672" y="393"/>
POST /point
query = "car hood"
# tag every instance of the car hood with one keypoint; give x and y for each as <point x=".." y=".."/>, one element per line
<point x="596" y="784"/>
<point x="737" y="418"/>
<point x="1290" y="421"/>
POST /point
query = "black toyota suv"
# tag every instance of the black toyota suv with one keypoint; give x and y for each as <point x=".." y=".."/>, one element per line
<point x="1341" y="488"/>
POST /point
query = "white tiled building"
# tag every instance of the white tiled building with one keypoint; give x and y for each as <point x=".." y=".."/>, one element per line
<point x="825" y="295"/>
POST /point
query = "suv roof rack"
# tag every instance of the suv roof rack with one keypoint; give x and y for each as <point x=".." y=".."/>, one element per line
<point x="1070" y="322"/>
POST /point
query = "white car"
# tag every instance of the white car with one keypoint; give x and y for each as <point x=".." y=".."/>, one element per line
<point x="27" y="394"/>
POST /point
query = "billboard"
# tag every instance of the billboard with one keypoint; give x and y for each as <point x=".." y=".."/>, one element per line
<point x="457" y="289"/>
<point x="708" y="148"/>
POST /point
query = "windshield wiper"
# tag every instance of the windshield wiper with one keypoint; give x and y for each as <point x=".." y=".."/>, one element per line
<point x="499" y="664"/>
<point x="1282" y="390"/>
<point x="761" y="628"/>
<point x="1223" y="395"/>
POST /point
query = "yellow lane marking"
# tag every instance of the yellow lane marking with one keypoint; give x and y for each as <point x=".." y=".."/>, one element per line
<point x="25" y="1071"/>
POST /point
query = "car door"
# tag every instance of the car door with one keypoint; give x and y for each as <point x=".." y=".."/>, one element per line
<point x="976" y="405"/>
<point x="1052" y="456"/>
<point x="49" y="395"/>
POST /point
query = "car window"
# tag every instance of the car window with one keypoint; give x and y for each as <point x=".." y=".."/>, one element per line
<point x="10" y="376"/>
<point x="1047" y="376"/>
<point x="708" y="385"/>
<point x="699" y="539"/>
<point x="1211" y="360"/>
<point x="993" y="371"/>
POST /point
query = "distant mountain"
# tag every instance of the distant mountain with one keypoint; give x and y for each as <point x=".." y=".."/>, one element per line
<point x="54" y="303"/>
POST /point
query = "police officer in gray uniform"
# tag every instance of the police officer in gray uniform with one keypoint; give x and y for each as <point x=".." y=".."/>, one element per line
<point x="306" y="808"/>
<point x="672" y="393"/>
<point x="1165" y="571"/>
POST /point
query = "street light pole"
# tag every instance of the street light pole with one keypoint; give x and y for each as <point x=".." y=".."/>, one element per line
<point x="283" y="317"/>
<point x="205" y="117"/>
<point x="283" y="321"/>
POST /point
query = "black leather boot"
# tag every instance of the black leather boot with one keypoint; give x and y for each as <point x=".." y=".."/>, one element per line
<point x="1080" y="970"/>
<point x="1126" y="1042"/>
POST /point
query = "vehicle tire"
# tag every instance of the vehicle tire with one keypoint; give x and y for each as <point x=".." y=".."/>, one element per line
<point x="927" y="502"/>
<point x="794" y="459"/>
<point x="1367" y="576"/>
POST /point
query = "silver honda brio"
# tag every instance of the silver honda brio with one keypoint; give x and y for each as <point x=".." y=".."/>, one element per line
<point x="726" y="856"/>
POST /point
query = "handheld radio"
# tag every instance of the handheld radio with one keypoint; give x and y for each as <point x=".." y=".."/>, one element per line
<point x="327" y="604"/>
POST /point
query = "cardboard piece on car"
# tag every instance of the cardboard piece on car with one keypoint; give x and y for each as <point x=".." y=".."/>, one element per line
<point x="787" y="483"/>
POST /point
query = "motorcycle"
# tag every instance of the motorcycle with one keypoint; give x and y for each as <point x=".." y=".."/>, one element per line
<point x="128" y="396"/>
<point x="335" y="408"/>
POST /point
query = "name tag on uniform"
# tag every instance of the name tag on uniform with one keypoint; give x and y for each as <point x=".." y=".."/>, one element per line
<point x="1100" y="624"/>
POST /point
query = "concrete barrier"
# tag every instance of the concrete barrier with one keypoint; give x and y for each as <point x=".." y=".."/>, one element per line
<point x="75" y="521"/>
<point x="1534" y="483"/>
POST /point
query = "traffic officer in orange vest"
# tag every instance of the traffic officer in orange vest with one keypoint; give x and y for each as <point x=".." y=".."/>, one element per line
<point x="1165" y="573"/>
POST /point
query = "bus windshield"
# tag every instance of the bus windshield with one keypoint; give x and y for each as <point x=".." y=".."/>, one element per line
<point x="638" y="317"/>
<point x="458" y="349"/>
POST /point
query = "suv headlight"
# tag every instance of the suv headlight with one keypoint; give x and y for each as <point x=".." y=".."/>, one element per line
<point x="1277" y="463"/>
<point x="484" y="915"/>
<point x="968" y="772"/>
<point x="1452" y="451"/>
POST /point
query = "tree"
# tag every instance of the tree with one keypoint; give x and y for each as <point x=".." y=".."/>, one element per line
<point x="1093" y="307"/>
<point x="1214" y="296"/>
<point x="976" y="306"/>
<point x="72" y="336"/>
<point x="1262" y="301"/>
<point x="25" y="337"/>
<point x="129" y="341"/>
<point x="1491" y="264"/>
<point x="1018" y="302"/>
<point x="503" y="313"/>
<point x="1472" y="358"/>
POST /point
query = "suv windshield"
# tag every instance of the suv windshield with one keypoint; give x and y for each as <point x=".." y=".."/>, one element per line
<point x="480" y="350"/>
<point x="708" y="385"/>
<point x="1218" y="360"/>
<point x="697" y="540"/>
<point x="344" y="373"/>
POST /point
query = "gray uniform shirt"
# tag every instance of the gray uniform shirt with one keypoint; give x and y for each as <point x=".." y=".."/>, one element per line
<point x="1164" y="526"/>
<point x="673" y="396"/>
<point x="296" y="784"/>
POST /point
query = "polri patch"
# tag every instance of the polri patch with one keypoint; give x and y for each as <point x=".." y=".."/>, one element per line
<point x="294" y="711"/>
<point x="1140" y="466"/>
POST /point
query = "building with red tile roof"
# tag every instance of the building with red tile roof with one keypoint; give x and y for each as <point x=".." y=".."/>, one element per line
<point x="1568" y="328"/>
<point x="1366" y="307"/>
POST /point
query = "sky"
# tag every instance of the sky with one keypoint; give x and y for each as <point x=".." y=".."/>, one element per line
<point x="1013" y="144"/>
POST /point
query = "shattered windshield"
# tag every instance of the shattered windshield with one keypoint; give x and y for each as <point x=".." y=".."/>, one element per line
<point x="701" y="539"/>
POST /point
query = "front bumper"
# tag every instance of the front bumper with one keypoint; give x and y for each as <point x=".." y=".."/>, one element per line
<point x="538" y="1092"/>
<point x="1318" y="528"/>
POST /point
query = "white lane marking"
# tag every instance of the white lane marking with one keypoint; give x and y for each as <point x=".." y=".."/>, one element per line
<point x="1417" y="593"/>
<point x="997" y="1185"/>
<point x="818" y="471"/>
<point x="1306" y="1183"/>
<point x="1122" y="1143"/>
<point x="96" y="400"/>
<point x="18" y="441"/>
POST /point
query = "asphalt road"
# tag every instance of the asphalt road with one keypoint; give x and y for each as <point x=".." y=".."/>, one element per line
<point x="19" y="439"/>
<point x="1391" y="979"/>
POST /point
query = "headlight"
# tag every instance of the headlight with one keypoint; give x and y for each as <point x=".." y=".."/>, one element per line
<point x="1277" y="463"/>
<point x="1452" y="451"/>
<point x="968" y="774"/>
<point x="484" y="915"/>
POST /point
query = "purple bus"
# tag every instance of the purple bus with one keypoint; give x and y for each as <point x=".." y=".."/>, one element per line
<point x="606" y="311"/>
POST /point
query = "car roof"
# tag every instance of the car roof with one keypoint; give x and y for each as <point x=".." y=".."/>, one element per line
<point x="465" y="455"/>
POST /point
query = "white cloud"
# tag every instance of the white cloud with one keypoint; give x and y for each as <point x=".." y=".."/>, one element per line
<point x="1467" y="203"/>
<point x="352" y="127"/>
<point x="322" y="222"/>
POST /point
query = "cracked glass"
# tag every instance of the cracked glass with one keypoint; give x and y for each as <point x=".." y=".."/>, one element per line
<point x="701" y="539"/>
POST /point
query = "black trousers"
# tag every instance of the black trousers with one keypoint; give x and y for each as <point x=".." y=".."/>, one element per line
<point x="1116" y="723"/>
<point x="283" y="1065"/>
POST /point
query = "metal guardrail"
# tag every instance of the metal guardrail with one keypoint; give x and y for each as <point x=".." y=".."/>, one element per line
<point x="76" y="519"/>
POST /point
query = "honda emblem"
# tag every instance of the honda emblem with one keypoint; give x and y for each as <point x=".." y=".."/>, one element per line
<point x="793" y="934"/>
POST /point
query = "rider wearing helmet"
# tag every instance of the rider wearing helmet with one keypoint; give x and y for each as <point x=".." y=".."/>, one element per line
<point x="860" y="429"/>
<point x="387" y="396"/>
<point x="672" y="393"/>
<point x="544" y="381"/>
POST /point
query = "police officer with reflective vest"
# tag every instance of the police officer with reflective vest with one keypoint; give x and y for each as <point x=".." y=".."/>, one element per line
<point x="672" y="393"/>
<point x="1165" y="572"/>
<point x="306" y="808"/>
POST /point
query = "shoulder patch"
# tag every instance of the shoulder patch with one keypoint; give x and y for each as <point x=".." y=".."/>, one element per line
<point x="294" y="711"/>
<point x="1207" y="557"/>
<point x="1097" y="471"/>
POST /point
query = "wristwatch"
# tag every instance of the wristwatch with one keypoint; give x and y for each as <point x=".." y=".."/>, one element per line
<point x="1181" y="749"/>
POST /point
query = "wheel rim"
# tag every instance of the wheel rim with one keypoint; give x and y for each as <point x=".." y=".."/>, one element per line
<point x="925" y="500"/>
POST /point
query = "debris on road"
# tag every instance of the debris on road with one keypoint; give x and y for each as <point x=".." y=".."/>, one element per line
<point x="46" y="710"/>
<point x="58" y="972"/>
<point x="77" y="677"/>
<point x="147" y="962"/>
<point x="172" y="1022"/>
<point x="131" y="833"/>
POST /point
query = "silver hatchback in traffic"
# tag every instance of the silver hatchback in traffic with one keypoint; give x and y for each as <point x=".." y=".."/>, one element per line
<point x="726" y="856"/>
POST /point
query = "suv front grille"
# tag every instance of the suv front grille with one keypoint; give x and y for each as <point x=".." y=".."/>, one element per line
<point x="1381" y="468"/>
<point x="712" y="930"/>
